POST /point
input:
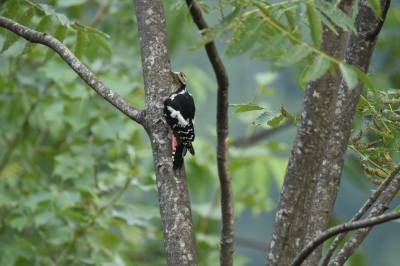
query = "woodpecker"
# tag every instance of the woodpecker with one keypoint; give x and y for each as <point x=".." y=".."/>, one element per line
<point x="179" y="110"/>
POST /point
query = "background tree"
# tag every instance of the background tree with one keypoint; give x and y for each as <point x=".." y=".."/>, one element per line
<point x="77" y="184"/>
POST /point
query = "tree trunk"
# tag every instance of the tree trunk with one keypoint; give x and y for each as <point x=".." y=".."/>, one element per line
<point x="174" y="201"/>
<point x="292" y="217"/>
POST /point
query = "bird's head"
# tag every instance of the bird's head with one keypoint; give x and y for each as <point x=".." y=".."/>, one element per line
<point x="180" y="77"/>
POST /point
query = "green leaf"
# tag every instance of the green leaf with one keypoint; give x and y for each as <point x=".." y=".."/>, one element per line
<point x="292" y="117"/>
<point x="60" y="34"/>
<point x="101" y="41"/>
<point x="244" y="37"/>
<point x="230" y="17"/>
<point x="240" y="108"/>
<point x="264" y="117"/>
<point x="70" y="3"/>
<point x="10" y="40"/>
<point x="266" y="11"/>
<point x="337" y="16"/>
<point x="128" y="217"/>
<point x="12" y="8"/>
<point x="376" y="7"/>
<point x="45" y="218"/>
<point x="315" y="24"/>
<point x="66" y="199"/>
<point x="33" y="201"/>
<point x="81" y="42"/>
<point x="103" y="131"/>
<point x="19" y="223"/>
<point x="11" y="37"/>
<point x="329" y="24"/>
<point x="66" y="167"/>
<point x="349" y="75"/>
<point x="318" y="68"/>
<point x="364" y="78"/>
<point x="45" y="25"/>
<point x="210" y="240"/>
<point x="290" y="15"/>
<point x="293" y="55"/>
<point x="276" y="121"/>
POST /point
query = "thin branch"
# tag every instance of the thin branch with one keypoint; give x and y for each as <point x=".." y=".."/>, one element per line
<point x="361" y="212"/>
<point x="228" y="217"/>
<point x="249" y="140"/>
<point x="79" y="68"/>
<point x="349" y="226"/>
<point x="381" y="205"/>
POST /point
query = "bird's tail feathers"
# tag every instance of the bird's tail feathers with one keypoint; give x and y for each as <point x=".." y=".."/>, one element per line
<point x="190" y="148"/>
<point x="178" y="156"/>
<point x="180" y="151"/>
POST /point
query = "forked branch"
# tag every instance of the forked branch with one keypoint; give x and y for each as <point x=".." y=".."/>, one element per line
<point x="349" y="226"/>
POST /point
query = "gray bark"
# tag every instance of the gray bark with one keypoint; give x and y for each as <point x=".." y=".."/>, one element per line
<point x="358" y="53"/>
<point x="312" y="181"/>
<point x="173" y="193"/>
<point x="174" y="201"/>
<point x="292" y="217"/>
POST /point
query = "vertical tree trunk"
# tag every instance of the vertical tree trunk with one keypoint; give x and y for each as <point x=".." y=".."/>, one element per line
<point x="172" y="188"/>
<point x="292" y="217"/>
<point x="315" y="165"/>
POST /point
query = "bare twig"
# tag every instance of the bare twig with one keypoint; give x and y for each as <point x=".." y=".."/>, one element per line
<point x="378" y="208"/>
<point x="363" y="210"/>
<point x="369" y="222"/>
<point x="228" y="217"/>
<point x="79" y="68"/>
<point x="260" y="135"/>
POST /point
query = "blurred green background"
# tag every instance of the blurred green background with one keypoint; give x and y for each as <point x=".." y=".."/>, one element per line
<point x="77" y="185"/>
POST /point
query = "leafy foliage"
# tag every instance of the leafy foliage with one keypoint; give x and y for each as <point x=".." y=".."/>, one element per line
<point x="76" y="179"/>
<point x="377" y="141"/>
<point x="70" y="162"/>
